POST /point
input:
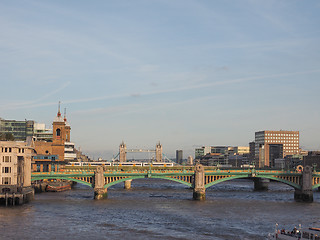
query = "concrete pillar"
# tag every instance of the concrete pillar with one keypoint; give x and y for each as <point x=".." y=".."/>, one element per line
<point x="27" y="171"/>
<point x="261" y="184"/>
<point x="305" y="194"/>
<point x="98" y="184"/>
<point x="199" y="190"/>
<point x="100" y="193"/>
<point x="127" y="184"/>
<point x="28" y="194"/>
<point x="6" y="199"/>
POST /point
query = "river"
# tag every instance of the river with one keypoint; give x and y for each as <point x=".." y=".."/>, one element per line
<point x="159" y="209"/>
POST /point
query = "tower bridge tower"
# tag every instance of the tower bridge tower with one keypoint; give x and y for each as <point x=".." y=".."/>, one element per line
<point x="122" y="152"/>
<point x="159" y="152"/>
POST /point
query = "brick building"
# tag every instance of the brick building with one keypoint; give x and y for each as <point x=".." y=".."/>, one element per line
<point x="51" y="154"/>
<point x="275" y="144"/>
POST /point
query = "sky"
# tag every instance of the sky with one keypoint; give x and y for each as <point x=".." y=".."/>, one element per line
<point x="183" y="72"/>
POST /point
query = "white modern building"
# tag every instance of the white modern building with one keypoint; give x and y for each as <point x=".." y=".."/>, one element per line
<point x="69" y="152"/>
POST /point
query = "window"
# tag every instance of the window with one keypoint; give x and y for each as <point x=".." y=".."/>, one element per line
<point x="6" y="159"/>
<point x="6" y="169"/>
<point x="6" y="180"/>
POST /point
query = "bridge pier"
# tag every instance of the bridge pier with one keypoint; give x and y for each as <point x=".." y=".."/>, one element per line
<point x="100" y="193"/>
<point x="261" y="184"/>
<point x="199" y="190"/>
<point x="305" y="194"/>
<point x="127" y="184"/>
<point x="98" y="184"/>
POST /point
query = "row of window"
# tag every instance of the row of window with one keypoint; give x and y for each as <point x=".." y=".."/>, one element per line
<point x="282" y="134"/>
<point x="6" y="169"/>
<point x="45" y="167"/>
<point x="278" y="137"/>
<point x="6" y="180"/>
<point x="280" y="140"/>
<point x="9" y="149"/>
<point x="4" y="149"/>
<point x="283" y="139"/>
<point x="290" y="148"/>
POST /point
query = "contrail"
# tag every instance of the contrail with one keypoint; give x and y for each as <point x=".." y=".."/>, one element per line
<point x="34" y="104"/>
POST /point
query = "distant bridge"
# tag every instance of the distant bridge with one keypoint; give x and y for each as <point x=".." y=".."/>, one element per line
<point x="197" y="177"/>
<point x="121" y="156"/>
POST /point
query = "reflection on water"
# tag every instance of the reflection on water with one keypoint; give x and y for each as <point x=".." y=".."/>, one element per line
<point x="158" y="209"/>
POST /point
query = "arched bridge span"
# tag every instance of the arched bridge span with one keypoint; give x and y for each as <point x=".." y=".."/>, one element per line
<point x="103" y="178"/>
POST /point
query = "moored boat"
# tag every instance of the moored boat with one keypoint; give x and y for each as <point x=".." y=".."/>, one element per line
<point x="58" y="186"/>
<point x="297" y="233"/>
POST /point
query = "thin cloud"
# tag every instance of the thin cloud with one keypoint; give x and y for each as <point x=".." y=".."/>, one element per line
<point x="157" y="92"/>
<point x="37" y="102"/>
<point x="233" y="81"/>
<point x="137" y="108"/>
<point x="135" y="95"/>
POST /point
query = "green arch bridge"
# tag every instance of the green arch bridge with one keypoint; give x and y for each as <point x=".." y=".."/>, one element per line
<point x="198" y="177"/>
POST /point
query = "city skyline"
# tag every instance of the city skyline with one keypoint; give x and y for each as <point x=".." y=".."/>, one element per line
<point x="185" y="73"/>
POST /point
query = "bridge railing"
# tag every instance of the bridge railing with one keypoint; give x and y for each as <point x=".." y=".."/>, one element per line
<point x="173" y="169"/>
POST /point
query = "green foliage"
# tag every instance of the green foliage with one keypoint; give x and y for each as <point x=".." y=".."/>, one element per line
<point x="6" y="137"/>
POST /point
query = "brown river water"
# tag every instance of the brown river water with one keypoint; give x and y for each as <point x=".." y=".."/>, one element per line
<point x="159" y="209"/>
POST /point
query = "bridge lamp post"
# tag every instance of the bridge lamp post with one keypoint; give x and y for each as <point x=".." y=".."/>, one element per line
<point x="236" y="159"/>
<point x="253" y="164"/>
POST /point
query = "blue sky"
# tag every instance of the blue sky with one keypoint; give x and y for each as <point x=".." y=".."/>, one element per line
<point x="185" y="73"/>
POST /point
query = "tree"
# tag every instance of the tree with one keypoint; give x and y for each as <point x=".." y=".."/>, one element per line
<point x="6" y="137"/>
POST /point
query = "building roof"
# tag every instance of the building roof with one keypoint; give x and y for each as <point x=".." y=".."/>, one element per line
<point x="58" y="118"/>
<point x="15" y="144"/>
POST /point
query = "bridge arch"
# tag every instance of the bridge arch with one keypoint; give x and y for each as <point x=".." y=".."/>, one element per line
<point x="62" y="178"/>
<point x="294" y="185"/>
<point x="316" y="186"/>
<point x="143" y="177"/>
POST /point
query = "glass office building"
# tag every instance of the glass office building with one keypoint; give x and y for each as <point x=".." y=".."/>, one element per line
<point x="19" y="129"/>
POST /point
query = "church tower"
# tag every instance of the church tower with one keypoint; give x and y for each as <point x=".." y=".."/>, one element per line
<point x="59" y="135"/>
<point x="67" y="126"/>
